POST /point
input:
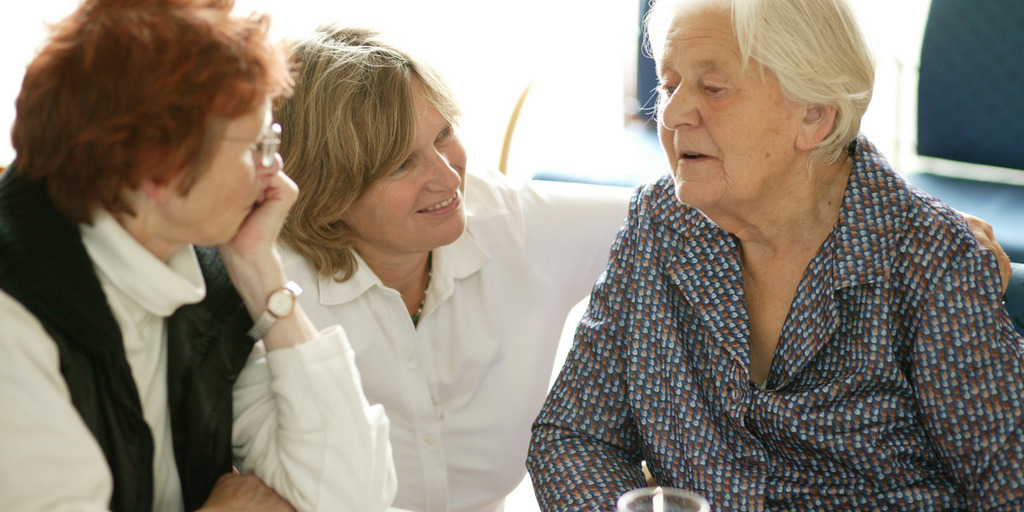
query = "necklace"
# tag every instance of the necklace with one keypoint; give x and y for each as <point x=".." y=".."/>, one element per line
<point x="419" y="310"/>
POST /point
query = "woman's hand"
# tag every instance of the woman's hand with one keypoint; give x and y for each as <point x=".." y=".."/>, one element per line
<point x="244" y="493"/>
<point x="251" y="256"/>
<point x="255" y="267"/>
<point x="983" y="232"/>
<point x="257" y="235"/>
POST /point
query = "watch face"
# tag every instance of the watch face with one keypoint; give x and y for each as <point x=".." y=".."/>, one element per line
<point x="280" y="303"/>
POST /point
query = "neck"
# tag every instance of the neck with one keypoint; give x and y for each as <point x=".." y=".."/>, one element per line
<point x="142" y="230"/>
<point x="400" y="273"/>
<point x="793" y="221"/>
<point x="407" y="274"/>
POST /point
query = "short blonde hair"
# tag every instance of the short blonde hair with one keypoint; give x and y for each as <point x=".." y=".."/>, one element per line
<point x="814" y="47"/>
<point x="350" y="123"/>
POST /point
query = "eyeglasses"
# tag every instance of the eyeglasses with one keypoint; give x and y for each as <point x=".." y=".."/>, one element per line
<point x="264" y="151"/>
<point x="266" y="148"/>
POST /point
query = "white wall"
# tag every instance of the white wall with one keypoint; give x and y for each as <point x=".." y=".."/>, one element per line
<point x="579" y="58"/>
<point x="487" y="51"/>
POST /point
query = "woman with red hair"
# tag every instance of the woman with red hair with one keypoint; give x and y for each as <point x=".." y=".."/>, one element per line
<point x="151" y="340"/>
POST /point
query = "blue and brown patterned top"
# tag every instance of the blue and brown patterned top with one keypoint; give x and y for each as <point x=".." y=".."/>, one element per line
<point x="897" y="382"/>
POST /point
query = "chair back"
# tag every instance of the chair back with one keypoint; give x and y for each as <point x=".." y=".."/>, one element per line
<point x="971" y="89"/>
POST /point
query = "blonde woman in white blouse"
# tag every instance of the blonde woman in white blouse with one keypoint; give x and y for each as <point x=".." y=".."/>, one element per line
<point x="454" y="286"/>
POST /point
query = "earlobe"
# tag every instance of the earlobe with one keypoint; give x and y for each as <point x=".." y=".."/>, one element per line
<point x="157" y="192"/>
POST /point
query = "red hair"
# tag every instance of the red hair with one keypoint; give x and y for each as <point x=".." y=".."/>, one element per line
<point x="132" y="89"/>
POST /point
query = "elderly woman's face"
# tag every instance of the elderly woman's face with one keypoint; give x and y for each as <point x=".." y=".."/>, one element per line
<point x="728" y="134"/>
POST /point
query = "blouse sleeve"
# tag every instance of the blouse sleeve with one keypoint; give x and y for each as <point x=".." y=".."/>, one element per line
<point x="968" y="371"/>
<point x="49" y="460"/>
<point x="585" y="449"/>
<point x="303" y="424"/>
<point x="564" y="229"/>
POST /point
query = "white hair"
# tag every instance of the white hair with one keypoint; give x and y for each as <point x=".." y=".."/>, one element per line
<point x="814" y="47"/>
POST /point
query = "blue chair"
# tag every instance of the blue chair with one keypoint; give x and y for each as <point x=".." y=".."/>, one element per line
<point x="970" y="109"/>
<point x="971" y="89"/>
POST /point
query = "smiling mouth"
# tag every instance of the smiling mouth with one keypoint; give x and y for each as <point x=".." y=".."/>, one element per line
<point x="440" y="205"/>
<point x="693" y="156"/>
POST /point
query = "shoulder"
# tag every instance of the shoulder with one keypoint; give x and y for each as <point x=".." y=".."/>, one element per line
<point x="881" y="199"/>
<point x="927" y="237"/>
<point x="654" y="205"/>
<point x="297" y="267"/>
<point x="933" y="228"/>
<point x="26" y="347"/>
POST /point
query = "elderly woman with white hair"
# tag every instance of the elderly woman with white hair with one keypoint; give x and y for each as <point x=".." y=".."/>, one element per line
<point x="785" y="323"/>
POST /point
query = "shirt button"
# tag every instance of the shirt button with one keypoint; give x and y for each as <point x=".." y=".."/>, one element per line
<point x="748" y="461"/>
<point x="735" y="394"/>
<point x="430" y="440"/>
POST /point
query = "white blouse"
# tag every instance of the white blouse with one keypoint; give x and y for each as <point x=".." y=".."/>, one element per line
<point x="301" y="421"/>
<point x="463" y="388"/>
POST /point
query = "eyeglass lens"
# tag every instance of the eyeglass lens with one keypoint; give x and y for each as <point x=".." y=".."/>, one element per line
<point x="268" y="146"/>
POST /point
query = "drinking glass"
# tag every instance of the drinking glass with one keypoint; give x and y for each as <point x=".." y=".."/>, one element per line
<point x="661" y="499"/>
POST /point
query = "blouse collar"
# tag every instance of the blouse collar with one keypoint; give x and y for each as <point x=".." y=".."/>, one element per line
<point x="160" y="288"/>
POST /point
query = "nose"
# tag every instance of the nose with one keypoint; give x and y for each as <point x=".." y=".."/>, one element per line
<point x="442" y="175"/>
<point x="679" y="110"/>
<point x="447" y="166"/>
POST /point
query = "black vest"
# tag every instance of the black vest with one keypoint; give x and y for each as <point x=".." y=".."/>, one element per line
<point x="44" y="265"/>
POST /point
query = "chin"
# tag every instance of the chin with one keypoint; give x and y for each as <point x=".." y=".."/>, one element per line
<point x="223" y="236"/>
<point x="691" y="194"/>
<point x="450" y="233"/>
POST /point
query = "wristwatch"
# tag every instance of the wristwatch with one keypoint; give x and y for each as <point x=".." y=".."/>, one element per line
<point x="280" y="304"/>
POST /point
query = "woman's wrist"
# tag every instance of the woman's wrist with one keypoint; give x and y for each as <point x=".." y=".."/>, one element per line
<point x="255" y="277"/>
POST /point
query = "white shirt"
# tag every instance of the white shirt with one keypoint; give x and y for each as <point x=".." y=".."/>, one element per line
<point x="301" y="421"/>
<point x="463" y="388"/>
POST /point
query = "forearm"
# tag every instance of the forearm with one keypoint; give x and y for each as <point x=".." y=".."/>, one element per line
<point x="574" y="473"/>
<point x="255" y="276"/>
<point x="303" y="425"/>
<point x="585" y="450"/>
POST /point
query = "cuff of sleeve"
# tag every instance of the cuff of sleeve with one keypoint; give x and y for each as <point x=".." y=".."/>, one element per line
<point x="332" y="343"/>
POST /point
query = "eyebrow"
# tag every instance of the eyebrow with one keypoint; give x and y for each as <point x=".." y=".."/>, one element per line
<point x="708" y="64"/>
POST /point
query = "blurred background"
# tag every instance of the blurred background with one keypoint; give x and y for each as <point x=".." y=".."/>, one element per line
<point x="579" y="116"/>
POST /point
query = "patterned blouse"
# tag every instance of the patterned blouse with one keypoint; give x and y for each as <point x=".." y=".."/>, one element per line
<point x="897" y="382"/>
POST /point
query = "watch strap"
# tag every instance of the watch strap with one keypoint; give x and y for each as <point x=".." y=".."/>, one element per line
<point x="263" y="324"/>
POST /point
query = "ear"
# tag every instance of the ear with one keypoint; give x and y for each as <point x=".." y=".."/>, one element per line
<point x="156" y="192"/>
<point x="815" y="126"/>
